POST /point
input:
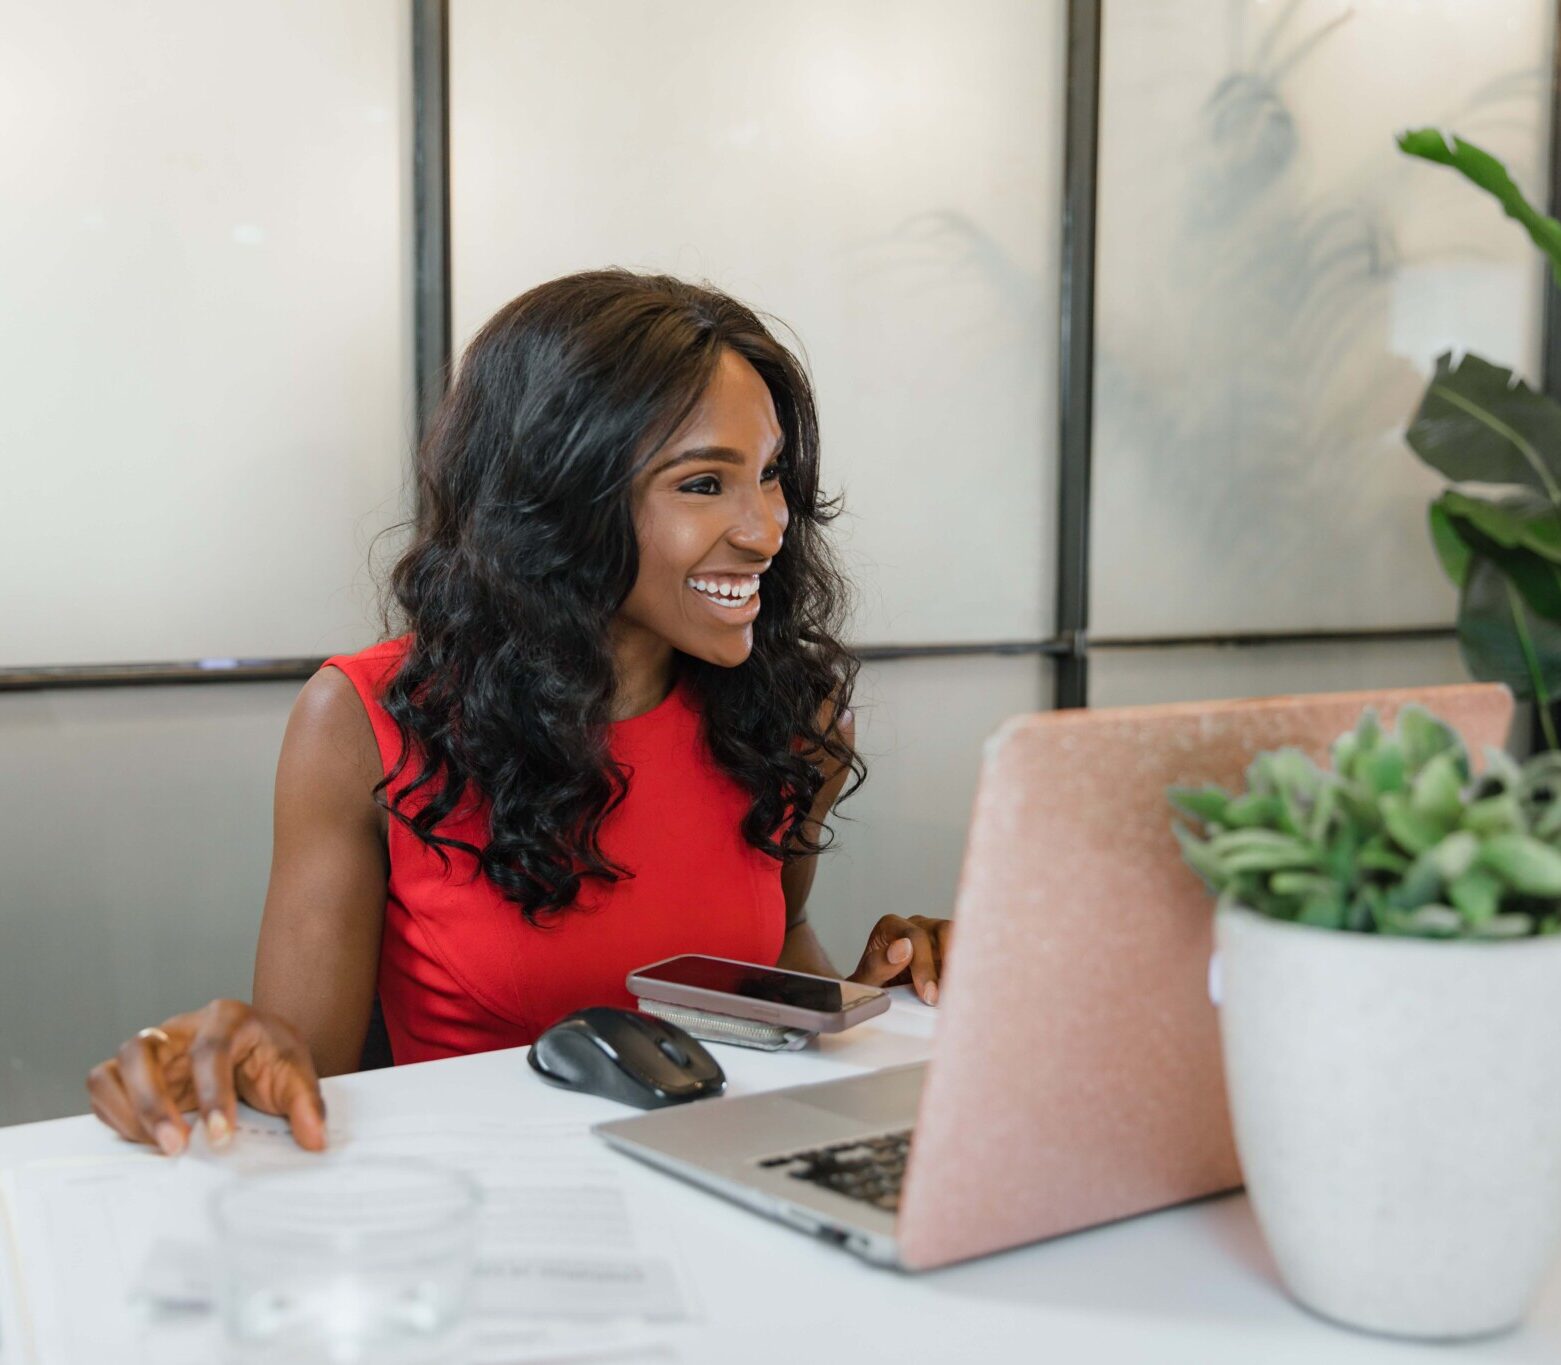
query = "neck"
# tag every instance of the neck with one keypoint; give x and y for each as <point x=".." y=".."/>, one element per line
<point x="646" y="672"/>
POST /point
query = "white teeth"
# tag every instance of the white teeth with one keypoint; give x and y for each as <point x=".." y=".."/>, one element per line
<point x="727" y="590"/>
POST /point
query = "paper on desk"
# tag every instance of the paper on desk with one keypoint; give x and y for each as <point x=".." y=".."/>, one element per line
<point x="112" y="1249"/>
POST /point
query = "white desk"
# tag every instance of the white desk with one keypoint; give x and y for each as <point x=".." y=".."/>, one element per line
<point x="1193" y="1284"/>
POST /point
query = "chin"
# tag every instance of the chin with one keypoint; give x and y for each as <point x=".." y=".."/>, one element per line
<point x="723" y="654"/>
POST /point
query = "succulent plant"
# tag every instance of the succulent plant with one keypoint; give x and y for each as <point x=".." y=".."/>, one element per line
<point x="1398" y="838"/>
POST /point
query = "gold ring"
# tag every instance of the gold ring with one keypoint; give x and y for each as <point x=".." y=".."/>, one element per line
<point x="155" y="1033"/>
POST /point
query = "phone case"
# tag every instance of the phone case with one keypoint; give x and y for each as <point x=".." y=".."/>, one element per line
<point x="727" y="1028"/>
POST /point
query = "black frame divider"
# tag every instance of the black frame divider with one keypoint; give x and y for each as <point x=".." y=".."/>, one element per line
<point x="1076" y="351"/>
<point x="431" y="203"/>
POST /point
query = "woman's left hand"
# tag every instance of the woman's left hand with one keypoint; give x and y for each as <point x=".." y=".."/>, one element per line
<point x="900" y="950"/>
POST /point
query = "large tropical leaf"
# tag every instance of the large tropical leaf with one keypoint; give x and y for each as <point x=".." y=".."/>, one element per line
<point x="1502" y="639"/>
<point x="1480" y="422"/>
<point x="1505" y="531"/>
<point x="1518" y="519"/>
<point x="1490" y="175"/>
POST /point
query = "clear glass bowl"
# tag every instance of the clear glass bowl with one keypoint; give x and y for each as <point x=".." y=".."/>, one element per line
<point x="347" y="1262"/>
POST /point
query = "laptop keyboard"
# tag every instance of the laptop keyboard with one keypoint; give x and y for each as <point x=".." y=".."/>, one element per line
<point x="869" y="1169"/>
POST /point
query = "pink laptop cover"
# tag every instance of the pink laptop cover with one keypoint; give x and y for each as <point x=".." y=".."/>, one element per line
<point x="1076" y="1076"/>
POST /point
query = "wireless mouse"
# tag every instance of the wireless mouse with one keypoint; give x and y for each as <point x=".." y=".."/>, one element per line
<point x="626" y="1056"/>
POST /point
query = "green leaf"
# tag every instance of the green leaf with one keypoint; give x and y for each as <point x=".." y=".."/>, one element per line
<point x="1517" y="519"/>
<point x="1422" y="736"/>
<point x="1253" y="810"/>
<point x="1325" y="911"/>
<point x="1507" y="926"/>
<point x="1480" y="168"/>
<point x="1437" y="792"/>
<point x="1451" y="550"/>
<point x="1503" y="640"/>
<point x="1525" y="864"/>
<point x="1410" y="830"/>
<point x="1502" y="767"/>
<point x="1476" y="894"/>
<point x="1479" y="422"/>
<point x="1432" y="921"/>
<point x="1302" y="884"/>
<point x="1383" y="770"/>
<point x="1455" y="855"/>
<point x="1379" y="856"/>
<point x="1322" y="813"/>
<point x="1421" y="885"/>
<point x="1339" y="858"/>
<point x="1494" y="815"/>
<point x="1200" y="857"/>
<point x="1202" y="803"/>
<point x="1266" y="860"/>
<point x="1535" y="576"/>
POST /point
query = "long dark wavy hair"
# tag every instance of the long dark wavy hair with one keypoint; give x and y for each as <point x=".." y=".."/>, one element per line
<point x="524" y="547"/>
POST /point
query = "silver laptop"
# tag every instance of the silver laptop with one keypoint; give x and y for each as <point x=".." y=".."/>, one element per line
<point x="1075" y="1075"/>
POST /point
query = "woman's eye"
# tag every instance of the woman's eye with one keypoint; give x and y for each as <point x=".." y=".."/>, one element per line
<point x="710" y="484"/>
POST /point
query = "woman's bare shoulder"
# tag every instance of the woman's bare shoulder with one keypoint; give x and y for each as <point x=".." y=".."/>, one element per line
<point x="329" y="753"/>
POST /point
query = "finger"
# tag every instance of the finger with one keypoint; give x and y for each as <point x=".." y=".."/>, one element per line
<point x="141" y="1073"/>
<point x="304" y="1105"/>
<point x="211" y="1068"/>
<point x="943" y="936"/>
<point x="924" y="967"/>
<point x="888" y="950"/>
<point x="275" y="1073"/>
<point x="112" y="1105"/>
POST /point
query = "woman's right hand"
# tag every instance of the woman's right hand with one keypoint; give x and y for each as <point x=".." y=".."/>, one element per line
<point x="207" y="1061"/>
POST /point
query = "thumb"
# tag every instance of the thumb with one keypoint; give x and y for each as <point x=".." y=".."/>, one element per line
<point x="881" y="964"/>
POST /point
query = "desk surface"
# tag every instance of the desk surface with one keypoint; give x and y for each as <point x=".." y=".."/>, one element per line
<point x="1193" y="1284"/>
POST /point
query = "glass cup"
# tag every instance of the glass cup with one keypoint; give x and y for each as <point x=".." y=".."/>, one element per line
<point x="347" y="1262"/>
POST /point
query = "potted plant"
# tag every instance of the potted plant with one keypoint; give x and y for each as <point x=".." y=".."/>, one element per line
<point x="1480" y="424"/>
<point x="1390" y="1013"/>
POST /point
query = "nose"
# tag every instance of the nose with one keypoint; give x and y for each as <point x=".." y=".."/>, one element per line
<point x="762" y="525"/>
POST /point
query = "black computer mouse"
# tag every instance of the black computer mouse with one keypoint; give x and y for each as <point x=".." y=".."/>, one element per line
<point x="626" y="1056"/>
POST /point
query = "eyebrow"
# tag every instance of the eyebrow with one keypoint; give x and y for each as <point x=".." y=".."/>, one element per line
<point x="714" y="454"/>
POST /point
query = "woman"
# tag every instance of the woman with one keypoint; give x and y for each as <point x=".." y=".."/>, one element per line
<point x="596" y="744"/>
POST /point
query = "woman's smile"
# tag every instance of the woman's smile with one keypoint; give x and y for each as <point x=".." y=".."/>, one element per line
<point x="736" y="599"/>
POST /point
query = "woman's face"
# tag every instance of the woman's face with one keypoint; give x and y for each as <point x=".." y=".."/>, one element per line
<point x="708" y="509"/>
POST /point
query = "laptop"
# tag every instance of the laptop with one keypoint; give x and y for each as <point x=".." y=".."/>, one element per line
<point x="1075" y="1076"/>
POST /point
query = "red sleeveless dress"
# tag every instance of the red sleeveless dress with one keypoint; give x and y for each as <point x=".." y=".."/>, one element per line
<point x="461" y="971"/>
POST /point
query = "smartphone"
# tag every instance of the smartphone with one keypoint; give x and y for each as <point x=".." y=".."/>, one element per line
<point x="769" y="995"/>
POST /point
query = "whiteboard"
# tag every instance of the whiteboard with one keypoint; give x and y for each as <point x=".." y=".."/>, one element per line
<point x="205" y="325"/>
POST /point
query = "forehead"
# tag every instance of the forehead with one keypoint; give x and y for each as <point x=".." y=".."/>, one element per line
<point x="735" y="409"/>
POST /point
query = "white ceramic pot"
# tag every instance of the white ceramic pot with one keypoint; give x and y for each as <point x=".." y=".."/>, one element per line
<point x="1397" y="1110"/>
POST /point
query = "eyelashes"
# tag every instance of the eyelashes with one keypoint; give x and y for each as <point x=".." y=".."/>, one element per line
<point x="779" y="468"/>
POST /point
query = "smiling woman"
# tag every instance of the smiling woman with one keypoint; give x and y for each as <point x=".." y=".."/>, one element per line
<point x="590" y="739"/>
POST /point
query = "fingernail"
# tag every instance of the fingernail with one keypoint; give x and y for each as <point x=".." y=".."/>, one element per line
<point x="219" y="1132"/>
<point x="932" y="993"/>
<point x="899" y="950"/>
<point x="168" y="1138"/>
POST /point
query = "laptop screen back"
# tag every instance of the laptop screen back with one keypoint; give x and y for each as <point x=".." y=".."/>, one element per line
<point x="1077" y="1074"/>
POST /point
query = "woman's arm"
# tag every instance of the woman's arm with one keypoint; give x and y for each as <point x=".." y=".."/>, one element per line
<point x="802" y="952"/>
<point x="318" y="955"/>
<point x="315" y="965"/>
<point x="898" y="950"/>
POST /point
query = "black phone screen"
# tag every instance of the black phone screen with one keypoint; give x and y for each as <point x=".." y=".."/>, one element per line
<point x="759" y="983"/>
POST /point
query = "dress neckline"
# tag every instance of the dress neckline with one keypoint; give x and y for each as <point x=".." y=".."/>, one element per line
<point x="660" y="708"/>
